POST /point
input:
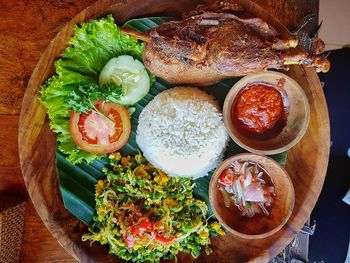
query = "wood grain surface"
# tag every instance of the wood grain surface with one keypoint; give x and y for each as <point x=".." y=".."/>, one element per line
<point x="26" y="29"/>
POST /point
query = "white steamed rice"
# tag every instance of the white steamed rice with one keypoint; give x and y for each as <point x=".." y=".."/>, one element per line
<point x="181" y="132"/>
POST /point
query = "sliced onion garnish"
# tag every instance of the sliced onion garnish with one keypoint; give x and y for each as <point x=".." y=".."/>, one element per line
<point x="256" y="170"/>
<point x="233" y="186"/>
<point x="236" y="167"/>
<point x="264" y="209"/>
<point x="262" y="181"/>
<point x="254" y="193"/>
<point x="243" y="167"/>
<point x="240" y="192"/>
<point x="248" y="179"/>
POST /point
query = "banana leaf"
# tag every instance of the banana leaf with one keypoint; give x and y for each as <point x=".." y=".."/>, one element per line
<point x="77" y="182"/>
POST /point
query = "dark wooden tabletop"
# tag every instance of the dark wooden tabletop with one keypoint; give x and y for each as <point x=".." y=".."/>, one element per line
<point x="26" y="28"/>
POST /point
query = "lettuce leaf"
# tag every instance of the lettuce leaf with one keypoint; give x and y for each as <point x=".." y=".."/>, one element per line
<point x="91" y="47"/>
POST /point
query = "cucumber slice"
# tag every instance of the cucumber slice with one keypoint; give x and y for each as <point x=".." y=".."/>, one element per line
<point x="130" y="74"/>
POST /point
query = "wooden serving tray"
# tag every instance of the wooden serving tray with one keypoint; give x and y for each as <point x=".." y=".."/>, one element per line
<point x="306" y="163"/>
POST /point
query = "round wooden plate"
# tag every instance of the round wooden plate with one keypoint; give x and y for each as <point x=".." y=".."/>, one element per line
<point x="306" y="163"/>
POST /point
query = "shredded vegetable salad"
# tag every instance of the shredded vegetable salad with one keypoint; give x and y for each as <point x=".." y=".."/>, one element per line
<point x="145" y="215"/>
<point x="247" y="185"/>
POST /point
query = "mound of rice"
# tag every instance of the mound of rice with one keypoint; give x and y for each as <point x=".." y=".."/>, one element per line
<point x="181" y="131"/>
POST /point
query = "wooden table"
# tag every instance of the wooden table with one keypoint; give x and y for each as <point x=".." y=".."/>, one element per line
<point x="26" y="29"/>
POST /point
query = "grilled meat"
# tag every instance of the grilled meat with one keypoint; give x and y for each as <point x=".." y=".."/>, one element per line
<point x="207" y="46"/>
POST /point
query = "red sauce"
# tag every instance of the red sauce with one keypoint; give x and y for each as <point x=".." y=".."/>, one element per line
<point x="259" y="110"/>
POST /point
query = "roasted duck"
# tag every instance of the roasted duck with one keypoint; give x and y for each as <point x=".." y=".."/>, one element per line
<point x="221" y="41"/>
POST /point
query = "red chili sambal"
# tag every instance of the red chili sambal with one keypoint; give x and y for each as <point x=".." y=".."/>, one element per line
<point x="259" y="109"/>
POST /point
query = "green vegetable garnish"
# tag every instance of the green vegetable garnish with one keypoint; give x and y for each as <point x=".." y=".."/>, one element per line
<point x="145" y="215"/>
<point x="91" y="47"/>
<point x="82" y="98"/>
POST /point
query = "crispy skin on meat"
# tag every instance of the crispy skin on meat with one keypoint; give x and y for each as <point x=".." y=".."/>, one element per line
<point x="228" y="6"/>
<point x="207" y="47"/>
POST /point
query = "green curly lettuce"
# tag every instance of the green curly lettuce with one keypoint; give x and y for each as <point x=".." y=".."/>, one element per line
<point x="82" y="98"/>
<point x="91" y="47"/>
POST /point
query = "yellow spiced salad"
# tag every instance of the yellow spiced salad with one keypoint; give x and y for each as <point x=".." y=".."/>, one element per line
<point x="145" y="215"/>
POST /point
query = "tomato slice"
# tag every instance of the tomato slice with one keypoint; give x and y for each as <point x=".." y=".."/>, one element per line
<point x="226" y="177"/>
<point x="164" y="240"/>
<point x="144" y="226"/>
<point x="103" y="131"/>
